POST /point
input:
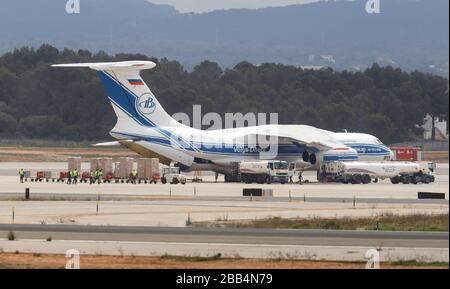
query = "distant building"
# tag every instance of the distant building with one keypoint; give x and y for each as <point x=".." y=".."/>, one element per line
<point x="441" y="128"/>
<point x="311" y="67"/>
<point x="328" y="58"/>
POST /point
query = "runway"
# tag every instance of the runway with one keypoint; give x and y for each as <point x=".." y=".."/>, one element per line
<point x="150" y="220"/>
<point x="231" y="236"/>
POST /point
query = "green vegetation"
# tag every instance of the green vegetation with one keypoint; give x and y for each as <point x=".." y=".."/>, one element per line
<point x="191" y="258"/>
<point x="37" y="101"/>
<point x="437" y="223"/>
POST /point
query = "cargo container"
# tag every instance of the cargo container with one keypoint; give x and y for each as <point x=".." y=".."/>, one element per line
<point x="125" y="168"/>
<point x="74" y="163"/>
<point x="407" y="153"/>
<point x="148" y="170"/>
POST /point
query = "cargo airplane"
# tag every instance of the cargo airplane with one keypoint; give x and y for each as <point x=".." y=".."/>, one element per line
<point x="146" y="128"/>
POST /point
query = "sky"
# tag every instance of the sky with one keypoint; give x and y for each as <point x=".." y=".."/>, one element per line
<point x="198" y="6"/>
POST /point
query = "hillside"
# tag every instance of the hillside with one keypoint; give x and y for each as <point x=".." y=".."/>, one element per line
<point x="37" y="101"/>
<point x="411" y="34"/>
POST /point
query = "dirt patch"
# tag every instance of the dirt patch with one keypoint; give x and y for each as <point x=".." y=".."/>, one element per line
<point x="12" y="154"/>
<point x="45" y="261"/>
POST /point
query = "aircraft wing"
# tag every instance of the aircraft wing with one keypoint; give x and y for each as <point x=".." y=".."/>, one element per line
<point x="308" y="136"/>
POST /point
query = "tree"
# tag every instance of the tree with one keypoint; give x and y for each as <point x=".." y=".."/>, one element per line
<point x="38" y="101"/>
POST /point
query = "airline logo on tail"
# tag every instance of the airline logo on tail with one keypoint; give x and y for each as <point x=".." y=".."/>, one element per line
<point x="146" y="104"/>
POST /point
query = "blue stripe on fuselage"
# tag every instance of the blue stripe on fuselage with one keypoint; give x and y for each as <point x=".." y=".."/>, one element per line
<point x="369" y="149"/>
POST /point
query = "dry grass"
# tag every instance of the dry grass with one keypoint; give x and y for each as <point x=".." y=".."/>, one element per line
<point x="48" y="261"/>
<point x="435" y="156"/>
<point x="49" y="154"/>
<point x="386" y="222"/>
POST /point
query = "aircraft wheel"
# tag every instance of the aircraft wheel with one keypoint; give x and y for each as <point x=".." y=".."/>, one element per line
<point x="366" y="179"/>
<point x="405" y="180"/>
<point x="357" y="179"/>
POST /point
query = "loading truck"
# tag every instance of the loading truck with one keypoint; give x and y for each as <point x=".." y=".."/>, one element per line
<point x="264" y="171"/>
<point x="366" y="172"/>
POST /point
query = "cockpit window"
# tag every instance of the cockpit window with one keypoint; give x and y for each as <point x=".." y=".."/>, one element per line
<point x="377" y="141"/>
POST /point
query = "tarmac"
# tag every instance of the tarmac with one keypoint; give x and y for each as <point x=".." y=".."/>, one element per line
<point x="150" y="205"/>
<point x="231" y="243"/>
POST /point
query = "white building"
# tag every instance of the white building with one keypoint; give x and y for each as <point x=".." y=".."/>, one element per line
<point x="441" y="128"/>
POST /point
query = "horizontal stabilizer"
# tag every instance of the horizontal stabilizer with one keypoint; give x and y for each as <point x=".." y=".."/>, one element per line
<point x="101" y="66"/>
<point x="110" y="144"/>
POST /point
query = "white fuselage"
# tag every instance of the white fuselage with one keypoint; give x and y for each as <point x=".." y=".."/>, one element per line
<point x="218" y="149"/>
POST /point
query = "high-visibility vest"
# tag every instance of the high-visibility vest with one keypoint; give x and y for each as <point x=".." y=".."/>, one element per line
<point x="21" y="173"/>
<point x="75" y="173"/>
<point x="134" y="173"/>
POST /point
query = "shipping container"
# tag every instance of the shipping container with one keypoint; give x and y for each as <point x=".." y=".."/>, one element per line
<point x="125" y="167"/>
<point x="74" y="163"/>
<point x="407" y="153"/>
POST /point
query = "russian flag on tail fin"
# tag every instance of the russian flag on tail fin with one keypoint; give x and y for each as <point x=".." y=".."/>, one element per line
<point x="135" y="82"/>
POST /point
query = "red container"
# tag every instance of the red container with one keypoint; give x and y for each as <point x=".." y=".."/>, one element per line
<point x="63" y="175"/>
<point x="407" y="153"/>
<point x="40" y="175"/>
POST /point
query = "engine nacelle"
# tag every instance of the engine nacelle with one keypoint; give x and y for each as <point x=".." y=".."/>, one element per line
<point x="313" y="160"/>
<point x="308" y="157"/>
<point x="339" y="154"/>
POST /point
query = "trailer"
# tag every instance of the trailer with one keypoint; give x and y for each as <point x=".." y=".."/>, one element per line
<point x="366" y="172"/>
<point x="86" y="177"/>
<point x="264" y="171"/>
<point x="42" y="176"/>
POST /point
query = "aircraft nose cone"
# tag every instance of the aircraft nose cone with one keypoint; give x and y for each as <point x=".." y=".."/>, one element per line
<point x="391" y="155"/>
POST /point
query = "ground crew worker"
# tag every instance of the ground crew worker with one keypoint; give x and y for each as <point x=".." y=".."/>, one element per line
<point x="69" y="177"/>
<point x="92" y="177"/>
<point x="134" y="175"/>
<point x="95" y="176"/>
<point x="100" y="175"/>
<point x="21" y="175"/>
<point x="75" y="176"/>
<point x="300" y="178"/>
